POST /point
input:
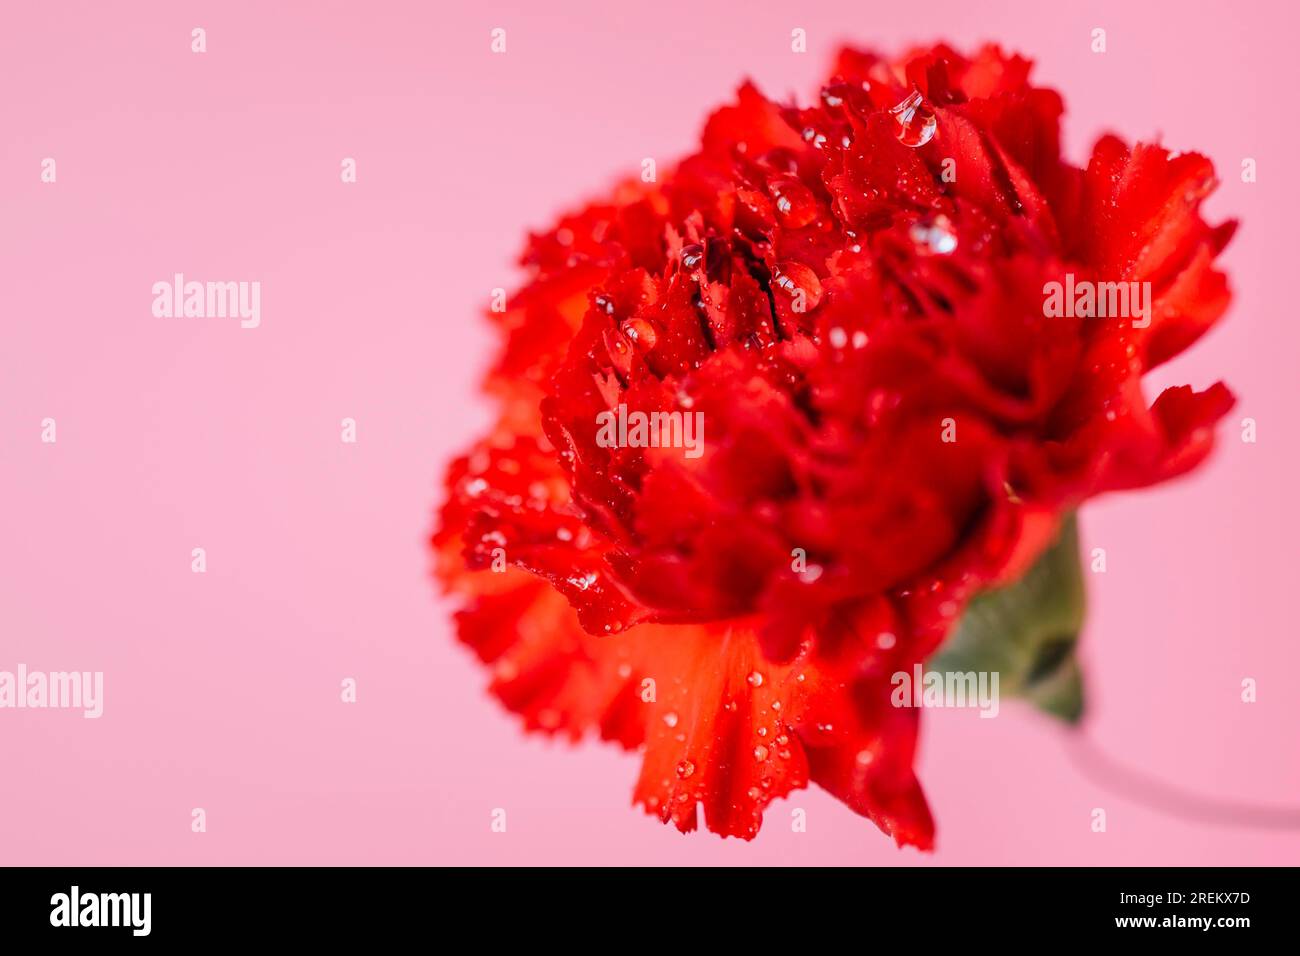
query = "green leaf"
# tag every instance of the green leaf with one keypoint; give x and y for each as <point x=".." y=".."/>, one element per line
<point x="1027" y="632"/>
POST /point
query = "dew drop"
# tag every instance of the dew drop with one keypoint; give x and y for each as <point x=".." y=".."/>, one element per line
<point x="760" y="752"/>
<point x="937" y="237"/>
<point x="616" y="345"/>
<point x="641" y="332"/>
<point x="796" y="206"/>
<point x="916" y="120"/>
<point x="815" y="136"/>
<point x="685" y="769"/>
<point x="795" y="277"/>
<point x="670" y="718"/>
<point x="755" y="679"/>
<point x="692" y="255"/>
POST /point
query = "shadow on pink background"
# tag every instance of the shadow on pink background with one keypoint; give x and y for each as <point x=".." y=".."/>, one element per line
<point x="222" y="689"/>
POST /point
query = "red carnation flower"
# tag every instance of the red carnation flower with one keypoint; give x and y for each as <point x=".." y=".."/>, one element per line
<point x="851" y="301"/>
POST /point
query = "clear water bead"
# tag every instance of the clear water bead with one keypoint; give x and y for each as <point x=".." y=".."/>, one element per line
<point x="916" y="120"/>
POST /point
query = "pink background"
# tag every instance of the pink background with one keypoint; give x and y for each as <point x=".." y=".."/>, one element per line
<point x="222" y="689"/>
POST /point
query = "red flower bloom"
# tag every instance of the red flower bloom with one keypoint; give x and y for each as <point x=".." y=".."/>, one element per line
<point x="852" y="298"/>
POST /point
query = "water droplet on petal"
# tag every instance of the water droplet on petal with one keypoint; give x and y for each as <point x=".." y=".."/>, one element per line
<point x="760" y="752"/>
<point x="641" y="332"/>
<point x="670" y="718"/>
<point x="685" y="769"/>
<point x="796" y="206"/>
<point x="815" y="136"/>
<point x="755" y="679"/>
<point x="619" y="350"/>
<point x="691" y="255"/>
<point x="799" y="282"/>
<point x="937" y="237"/>
<point x="916" y="120"/>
